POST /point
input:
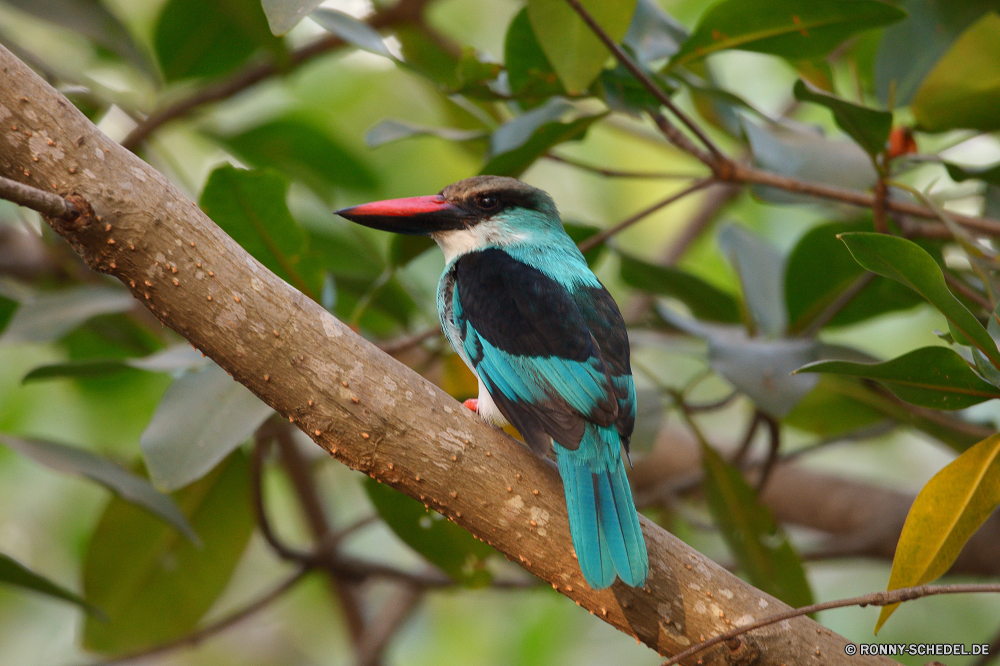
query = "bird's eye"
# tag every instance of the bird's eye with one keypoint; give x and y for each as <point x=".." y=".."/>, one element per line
<point x="487" y="201"/>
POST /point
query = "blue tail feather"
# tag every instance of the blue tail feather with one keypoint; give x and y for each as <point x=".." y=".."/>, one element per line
<point x="602" y="516"/>
<point x="635" y="572"/>
<point x="584" y="526"/>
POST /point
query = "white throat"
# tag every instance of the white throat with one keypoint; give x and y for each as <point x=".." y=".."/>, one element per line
<point x="488" y="233"/>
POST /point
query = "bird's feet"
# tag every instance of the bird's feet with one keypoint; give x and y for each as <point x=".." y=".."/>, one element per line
<point x="473" y="404"/>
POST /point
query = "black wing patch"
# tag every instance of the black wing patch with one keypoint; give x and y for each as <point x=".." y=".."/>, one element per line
<point x="531" y="345"/>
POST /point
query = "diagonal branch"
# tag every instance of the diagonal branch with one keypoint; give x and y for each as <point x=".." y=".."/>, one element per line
<point x="717" y="160"/>
<point x="403" y="12"/>
<point x="368" y="411"/>
<point x="599" y="238"/>
<point x="874" y="599"/>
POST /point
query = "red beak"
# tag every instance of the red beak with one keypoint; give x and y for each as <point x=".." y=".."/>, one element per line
<point x="413" y="215"/>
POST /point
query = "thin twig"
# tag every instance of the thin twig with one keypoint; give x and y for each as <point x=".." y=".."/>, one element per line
<point x="381" y="629"/>
<point x="774" y="445"/>
<point x="617" y="173"/>
<point x="744" y="447"/>
<point x="209" y="630"/>
<point x="837" y="304"/>
<point x="873" y="599"/>
<point x="967" y="291"/>
<point x="599" y="238"/>
<point x="402" y="12"/>
<point x="718" y="159"/>
<point x="714" y="405"/>
<point x="300" y="474"/>
<point x="878" y="210"/>
<point x="407" y="342"/>
<point x="747" y="174"/>
<point x="46" y="203"/>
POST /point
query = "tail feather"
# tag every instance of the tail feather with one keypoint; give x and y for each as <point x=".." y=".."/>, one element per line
<point x="637" y="568"/>
<point x="584" y="526"/>
<point x="603" y="522"/>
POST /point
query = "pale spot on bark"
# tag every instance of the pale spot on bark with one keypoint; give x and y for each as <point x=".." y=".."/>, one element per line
<point x="762" y="603"/>
<point x="744" y="620"/>
<point x="541" y="518"/>
<point x="726" y="593"/>
<point x="5" y="112"/>
<point x="38" y="144"/>
<point x="700" y="607"/>
<point x="331" y="326"/>
<point x="511" y="509"/>
<point x="668" y="635"/>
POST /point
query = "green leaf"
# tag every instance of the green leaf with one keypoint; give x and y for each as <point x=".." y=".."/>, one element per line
<point x="705" y="301"/>
<point x="983" y="365"/>
<point x="797" y="152"/>
<point x="762" y="275"/>
<point x="854" y="394"/>
<point x="963" y="89"/>
<point x="528" y="70"/>
<point x="391" y="130"/>
<point x="203" y="416"/>
<point x="581" y="232"/>
<point x="794" y="29"/>
<point x="301" y="150"/>
<point x="653" y="34"/>
<point x="153" y="584"/>
<point x="250" y="206"/>
<point x="908" y="263"/>
<point x="574" y="50"/>
<point x="809" y="291"/>
<point x="477" y="77"/>
<point x="947" y="511"/>
<point x="93" y="20"/>
<point x="988" y="174"/>
<point x="869" y="127"/>
<point x="404" y="248"/>
<point x="7" y="308"/>
<point x="759" y="368"/>
<point x="519" y="142"/>
<point x="829" y="411"/>
<point x="909" y="49"/>
<point x="48" y="316"/>
<point x="761" y="548"/>
<point x="206" y="39"/>
<point x="13" y="572"/>
<point x="283" y="15"/>
<point x="935" y="377"/>
<point x="426" y="57"/>
<point x="351" y="30"/>
<point x="128" y="486"/>
<point x="624" y="93"/>
<point x="442" y="542"/>
<point x="179" y="357"/>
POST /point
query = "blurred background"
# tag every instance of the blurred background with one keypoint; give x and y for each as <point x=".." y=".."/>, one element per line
<point x="196" y="87"/>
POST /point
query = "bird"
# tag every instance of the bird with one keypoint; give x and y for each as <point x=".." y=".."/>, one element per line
<point x="547" y="344"/>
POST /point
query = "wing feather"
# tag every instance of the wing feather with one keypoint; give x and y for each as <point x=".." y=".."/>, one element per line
<point x="531" y="345"/>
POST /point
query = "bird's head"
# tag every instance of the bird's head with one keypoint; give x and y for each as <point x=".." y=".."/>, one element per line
<point x="468" y="215"/>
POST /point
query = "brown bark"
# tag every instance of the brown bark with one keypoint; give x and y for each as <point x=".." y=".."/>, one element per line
<point x="370" y="412"/>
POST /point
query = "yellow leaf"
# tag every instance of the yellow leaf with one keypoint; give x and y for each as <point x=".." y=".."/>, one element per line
<point x="948" y="510"/>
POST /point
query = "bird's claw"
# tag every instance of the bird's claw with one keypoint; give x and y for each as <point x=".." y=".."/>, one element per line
<point x="473" y="404"/>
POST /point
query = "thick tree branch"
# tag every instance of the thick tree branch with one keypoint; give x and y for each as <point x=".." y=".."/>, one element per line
<point x="370" y="412"/>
